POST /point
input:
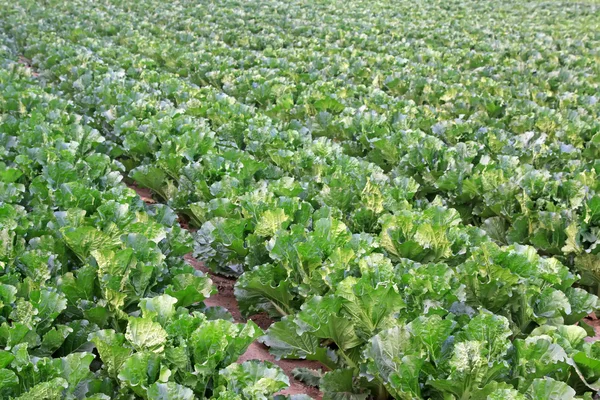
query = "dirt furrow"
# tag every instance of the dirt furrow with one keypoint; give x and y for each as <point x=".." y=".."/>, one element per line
<point x="225" y="298"/>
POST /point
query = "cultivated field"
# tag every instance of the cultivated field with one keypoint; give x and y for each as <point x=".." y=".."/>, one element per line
<point x="339" y="200"/>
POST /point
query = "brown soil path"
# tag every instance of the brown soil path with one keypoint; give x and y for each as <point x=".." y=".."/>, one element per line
<point x="226" y="298"/>
<point x="594" y="322"/>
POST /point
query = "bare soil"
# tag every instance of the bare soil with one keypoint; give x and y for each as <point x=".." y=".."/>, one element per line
<point x="144" y="193"/>
<point x="226" y="298"/>
<point x="594" y="322"/>
<point x="258" y="351"/>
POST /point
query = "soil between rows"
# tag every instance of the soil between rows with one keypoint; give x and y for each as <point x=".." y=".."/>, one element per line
<point x="225" y="298"/>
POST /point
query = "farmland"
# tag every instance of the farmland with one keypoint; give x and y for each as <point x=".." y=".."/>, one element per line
<point x="247" y="200"/>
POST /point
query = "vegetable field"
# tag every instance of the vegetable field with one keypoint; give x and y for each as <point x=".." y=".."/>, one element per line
<point x="340" y="200"/>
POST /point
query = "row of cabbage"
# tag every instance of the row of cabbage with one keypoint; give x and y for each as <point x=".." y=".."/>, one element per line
<point x="96" y="300"/>
<point x="374" y="277"/>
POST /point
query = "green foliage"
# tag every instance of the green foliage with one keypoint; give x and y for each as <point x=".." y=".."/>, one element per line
<point x="412" y="189"/>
